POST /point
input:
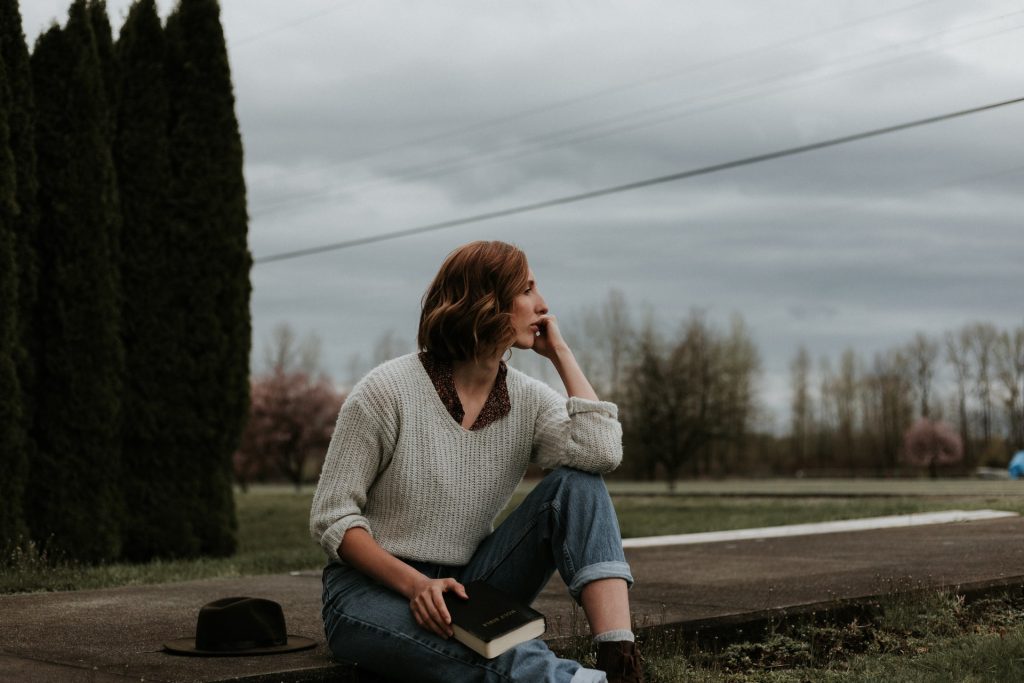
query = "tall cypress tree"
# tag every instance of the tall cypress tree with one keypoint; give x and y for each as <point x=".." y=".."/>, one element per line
<point x="73" y="502"/>
<point x="14" y="53"/>
<point x="100" y="22"/>
<point x="209" y="205"/>
<point x="159" y="493"/>
<point x="12" y="429"/>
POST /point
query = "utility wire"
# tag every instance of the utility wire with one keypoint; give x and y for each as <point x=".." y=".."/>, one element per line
<point x="616" y="189"/>
<point x="609" y="90"/>
<point x="291" y="24"/>
<point x="624" y="123"/>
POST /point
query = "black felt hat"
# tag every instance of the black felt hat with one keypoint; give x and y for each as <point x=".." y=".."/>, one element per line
<point x="239" y="626"/>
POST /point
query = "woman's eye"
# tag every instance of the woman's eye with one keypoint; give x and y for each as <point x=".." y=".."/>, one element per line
<point x="528" y="290"/>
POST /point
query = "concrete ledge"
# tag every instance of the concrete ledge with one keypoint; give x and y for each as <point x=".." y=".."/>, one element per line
<point x="116" y="634"/>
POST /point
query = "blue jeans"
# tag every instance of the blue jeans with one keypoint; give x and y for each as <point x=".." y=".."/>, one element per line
<point x="566" y="523"/>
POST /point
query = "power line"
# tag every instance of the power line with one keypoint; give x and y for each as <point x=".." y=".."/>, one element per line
<point x="619" y="87"/>
<point x="291" y="24"/>
<point x="659" y="180"/>
<point x="638" y="119"/>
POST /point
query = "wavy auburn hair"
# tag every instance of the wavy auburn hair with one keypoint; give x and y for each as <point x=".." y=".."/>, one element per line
<point x="467" y="310"/>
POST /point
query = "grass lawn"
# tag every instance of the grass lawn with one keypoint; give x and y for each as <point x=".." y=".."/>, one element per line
<point x="273" y="536"/>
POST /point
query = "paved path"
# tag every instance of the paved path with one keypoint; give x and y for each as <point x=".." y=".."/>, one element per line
<point x="115" y="635"/>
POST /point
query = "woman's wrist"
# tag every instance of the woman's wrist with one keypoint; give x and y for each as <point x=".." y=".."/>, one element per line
<point x="561" y="354"/>
<point x="575" y="382"/>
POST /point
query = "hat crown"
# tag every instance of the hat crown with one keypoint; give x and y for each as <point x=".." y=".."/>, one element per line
<point x="231" y="624"/>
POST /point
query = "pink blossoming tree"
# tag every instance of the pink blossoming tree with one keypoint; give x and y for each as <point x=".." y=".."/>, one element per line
<point x="930" y="443"/>
<point x="291" y="420"/>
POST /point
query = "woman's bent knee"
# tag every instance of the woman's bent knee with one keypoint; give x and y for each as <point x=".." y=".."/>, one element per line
<point x="575" y="479"/>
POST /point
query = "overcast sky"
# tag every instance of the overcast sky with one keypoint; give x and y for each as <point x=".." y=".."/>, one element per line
<point x="365" y="117"/>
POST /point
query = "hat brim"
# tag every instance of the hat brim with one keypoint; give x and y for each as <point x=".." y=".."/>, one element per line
<point x="187" y="646"/>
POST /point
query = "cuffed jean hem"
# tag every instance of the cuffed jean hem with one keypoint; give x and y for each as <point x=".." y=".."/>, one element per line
<point x="589" y="676"/>
<point x="599" y="570"/>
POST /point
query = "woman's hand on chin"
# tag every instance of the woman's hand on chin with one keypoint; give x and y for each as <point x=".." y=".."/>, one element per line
<point x="549" y="343"/>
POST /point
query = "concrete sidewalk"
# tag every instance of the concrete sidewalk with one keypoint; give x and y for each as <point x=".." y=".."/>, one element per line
<point x="116" y="634"/>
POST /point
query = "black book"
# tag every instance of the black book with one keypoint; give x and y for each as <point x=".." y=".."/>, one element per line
<point x="491" y="622"/>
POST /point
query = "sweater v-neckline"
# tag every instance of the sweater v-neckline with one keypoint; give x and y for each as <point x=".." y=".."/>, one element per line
<point x="444" y="382"/>
<point x="439" y="405"/>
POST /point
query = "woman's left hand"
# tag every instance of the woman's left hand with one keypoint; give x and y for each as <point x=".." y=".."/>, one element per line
<point x="549" y="343"/>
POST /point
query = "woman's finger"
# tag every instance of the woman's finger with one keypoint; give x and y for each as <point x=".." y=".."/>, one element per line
<point x="424" y="619"/>
<point x="430" y="609"/>
<point x="442" y="609"/>
<point x="459" y="589"/>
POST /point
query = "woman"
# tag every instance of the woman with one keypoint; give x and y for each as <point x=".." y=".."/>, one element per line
<point x="429" y="448"/>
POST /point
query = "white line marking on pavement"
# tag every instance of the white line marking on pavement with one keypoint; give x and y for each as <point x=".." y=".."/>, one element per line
<point x="890" y="522"/>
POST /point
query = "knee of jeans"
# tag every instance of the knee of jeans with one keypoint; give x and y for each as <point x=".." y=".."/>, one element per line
<point x="576" y="481"/>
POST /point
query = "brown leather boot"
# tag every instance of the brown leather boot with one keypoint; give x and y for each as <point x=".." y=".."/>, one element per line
<point x="620" y="659"/>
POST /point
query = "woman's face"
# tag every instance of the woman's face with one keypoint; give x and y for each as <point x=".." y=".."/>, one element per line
<point x="527" y="309"/>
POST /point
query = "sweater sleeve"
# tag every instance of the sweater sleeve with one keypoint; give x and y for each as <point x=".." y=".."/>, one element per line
<point x="578" y="433"/>
<point x="358" y="452"/>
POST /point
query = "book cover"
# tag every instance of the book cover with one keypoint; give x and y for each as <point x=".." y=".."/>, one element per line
<point x="490" y="621"/>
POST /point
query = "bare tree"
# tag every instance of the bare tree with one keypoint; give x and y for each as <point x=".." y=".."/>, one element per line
<point x="923" y="352"/>
<point x="683" y="397"/>
<point x="1009" y="362"/>
<point x="286" y="353"/>
<point x="647" y="397"/>
<point x="387" y="346"/>
<point x="845" y="391"/>
<point x="618" y="336"/>
<point x="827" y="414"/>
<point x="889" y="404"/>
<point x="741" y="367"/>
<point x="801" y="424"/>
<point x="695" y="404"/>
<point x="983" y="338"/>
<point x="604" y="351"/>
<point x="957" y="354"/>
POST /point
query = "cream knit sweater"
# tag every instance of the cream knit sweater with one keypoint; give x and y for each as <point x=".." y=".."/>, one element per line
<point x="400" y="467"/>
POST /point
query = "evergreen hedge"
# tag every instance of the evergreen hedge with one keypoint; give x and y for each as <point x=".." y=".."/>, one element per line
<point x="12" y="451"/>
<point x="73" y="503"/>
<point x="23" y="224"/>
<point x="125" y="268"/>
<point x="159" y="499"/>
<point x="97" y="10"/>
<point x="208" y="205"/>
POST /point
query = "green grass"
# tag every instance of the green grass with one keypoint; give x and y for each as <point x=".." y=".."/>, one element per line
<point x="933" y="638"/>
<point x="273" y="537"/>
<point x="273" y="534"/>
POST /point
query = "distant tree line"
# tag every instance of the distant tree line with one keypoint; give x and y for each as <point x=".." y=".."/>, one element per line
<point x="691" y="406"/>
<point x="124" y="285"/>
<point x="855" y="415"/>
<point x="689" y="399"/>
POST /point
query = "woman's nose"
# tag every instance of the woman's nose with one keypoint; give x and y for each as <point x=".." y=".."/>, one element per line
<point x="542" y="306"/>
